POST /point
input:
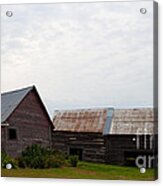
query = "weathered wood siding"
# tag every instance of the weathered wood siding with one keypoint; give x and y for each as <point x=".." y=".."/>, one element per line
<point x="92" y="144"/>
<point x="31" y="123"/>
<point x="111" y="149"/>
<point x="119" y="147"/>
<point x="3" y="138"/>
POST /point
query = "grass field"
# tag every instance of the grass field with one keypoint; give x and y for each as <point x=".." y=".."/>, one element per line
<point x="84" y="170"/>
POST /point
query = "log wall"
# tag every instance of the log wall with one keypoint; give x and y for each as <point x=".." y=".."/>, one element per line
<point x="92" y="144"/>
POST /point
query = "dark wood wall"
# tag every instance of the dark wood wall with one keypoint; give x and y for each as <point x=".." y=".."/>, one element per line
<point x="31" y="123"/>
<point x="92" y="144"/>
<point x="3" y="138"/>
<point x="123" y="149"/>
<point x="111" y="149"/>
<point x="116" y="146"/>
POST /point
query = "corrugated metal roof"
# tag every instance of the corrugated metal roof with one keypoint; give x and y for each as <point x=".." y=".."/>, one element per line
<point x="10" y="100"/>
<point x="82" y="120"/>
<point x="134" y="121"/>
<point x="107" y="121"/>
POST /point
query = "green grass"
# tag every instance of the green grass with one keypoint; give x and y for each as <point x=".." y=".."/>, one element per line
<point x="84" y="170"/>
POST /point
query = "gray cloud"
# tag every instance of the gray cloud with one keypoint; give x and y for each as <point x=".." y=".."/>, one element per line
<point x="80" y="55"/>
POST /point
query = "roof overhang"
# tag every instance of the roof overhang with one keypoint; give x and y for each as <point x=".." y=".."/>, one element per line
<point x="4" y="124"/>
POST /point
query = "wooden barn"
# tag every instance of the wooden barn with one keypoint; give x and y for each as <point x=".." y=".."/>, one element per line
<point x="24" y="121"/>
<point x="107" y="135"/>
<point x="114" y="136"/>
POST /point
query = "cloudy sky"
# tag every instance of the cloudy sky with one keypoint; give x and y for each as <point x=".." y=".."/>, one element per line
<point x="80" y="55"/>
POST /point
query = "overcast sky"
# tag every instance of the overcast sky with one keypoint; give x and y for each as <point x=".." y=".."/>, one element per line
<point x="80" y="55"/>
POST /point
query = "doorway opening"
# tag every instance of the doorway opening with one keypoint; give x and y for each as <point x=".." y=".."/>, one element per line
<point x="76" y="151"/>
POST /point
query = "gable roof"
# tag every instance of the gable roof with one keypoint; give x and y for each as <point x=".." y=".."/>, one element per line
<point x="10" y="100"/>
<point x="106" y="121"/>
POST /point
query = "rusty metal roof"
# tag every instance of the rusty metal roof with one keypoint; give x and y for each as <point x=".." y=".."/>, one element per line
<point x="134" y="121"/>
<point x="81" y="120"/>
<point x="106" y="121"/>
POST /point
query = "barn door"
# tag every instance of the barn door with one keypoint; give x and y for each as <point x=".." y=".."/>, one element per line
<point x="76" y="151"/>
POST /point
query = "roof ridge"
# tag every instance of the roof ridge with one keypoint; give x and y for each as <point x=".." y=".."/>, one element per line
<point x="82" y="109"/>
<point x="102" y="108"/>
<point x="77" y="109"/>
<point x="134" y="108"/>
<point x="18" y="90"/>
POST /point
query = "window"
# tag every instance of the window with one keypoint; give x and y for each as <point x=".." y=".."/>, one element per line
<point x="12" y="134"/>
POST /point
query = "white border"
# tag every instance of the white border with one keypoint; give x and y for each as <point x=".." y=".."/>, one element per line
<point x="54" y="1"/>
<point x="70" y="182"/>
